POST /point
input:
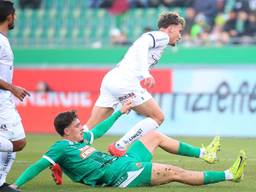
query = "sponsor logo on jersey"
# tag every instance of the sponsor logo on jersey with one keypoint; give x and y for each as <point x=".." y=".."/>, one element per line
<point x="86" y="151"/>
<point x="126" y="97"/>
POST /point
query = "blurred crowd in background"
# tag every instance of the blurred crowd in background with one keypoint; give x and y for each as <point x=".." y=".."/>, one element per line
<point x="208" y="22"/>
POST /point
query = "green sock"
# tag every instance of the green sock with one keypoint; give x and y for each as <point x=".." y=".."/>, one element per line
<point x="188" y="150"/>
<point x="213" y="176"/>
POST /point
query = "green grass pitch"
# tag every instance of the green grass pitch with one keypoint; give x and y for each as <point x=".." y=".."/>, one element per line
<point x="38" y="144"/>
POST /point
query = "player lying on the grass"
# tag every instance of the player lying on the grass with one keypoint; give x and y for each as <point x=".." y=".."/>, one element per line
<point x="84" y="164"/>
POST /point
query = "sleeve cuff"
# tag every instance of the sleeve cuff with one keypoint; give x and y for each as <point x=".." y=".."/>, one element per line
<point x="118" y="113"/>
<point x="49" y="159"/>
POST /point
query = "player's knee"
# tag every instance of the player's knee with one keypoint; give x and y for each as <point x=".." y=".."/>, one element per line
<point x="159" y="118"/>
<point x="19" y="145"/>
<point x="154" y="135"/>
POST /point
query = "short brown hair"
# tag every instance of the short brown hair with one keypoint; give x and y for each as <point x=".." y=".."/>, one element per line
<point x="6" y="9"/>
<point x="170" y="18"/>
<point x="63" y="120"/>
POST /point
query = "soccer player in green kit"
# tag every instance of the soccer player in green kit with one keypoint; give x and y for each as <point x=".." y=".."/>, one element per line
<point x="84" y="164"/>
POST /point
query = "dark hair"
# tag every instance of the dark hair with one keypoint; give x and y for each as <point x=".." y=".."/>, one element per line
<point x="6" y="9"/>
<point x="63" y="120"/>
<point x="170" y="18"/>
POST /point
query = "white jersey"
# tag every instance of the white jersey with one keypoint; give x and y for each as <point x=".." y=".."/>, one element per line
<point x="143" y="54"/>
<point x="6" y="73"/>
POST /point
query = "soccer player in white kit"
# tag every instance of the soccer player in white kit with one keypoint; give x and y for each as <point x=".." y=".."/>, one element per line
<point x="123" y="82"/>
<point x="12" y="136"/>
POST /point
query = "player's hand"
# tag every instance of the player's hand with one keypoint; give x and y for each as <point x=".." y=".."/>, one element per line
<point x="126" y="108"/>
<point x="19" y="92"/>
<point x="149" y="82"/>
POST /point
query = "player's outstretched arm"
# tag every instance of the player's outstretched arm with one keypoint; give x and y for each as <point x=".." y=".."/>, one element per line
<point x="100" y="129"/>
<point x="31" y="172"/>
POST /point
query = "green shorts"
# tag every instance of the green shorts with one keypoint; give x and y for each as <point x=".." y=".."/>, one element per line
<point x="133" y="169"/>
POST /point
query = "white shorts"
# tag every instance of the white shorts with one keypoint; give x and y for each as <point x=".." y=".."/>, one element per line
<point x="116" y="89"/>
<point x="12" y="129"/>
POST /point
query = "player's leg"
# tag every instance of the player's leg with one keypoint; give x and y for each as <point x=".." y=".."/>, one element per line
<point x="103" y="108"/>
<point x="14" y="134"/>
<point x="145" y="105"/>
<point x="5" y="144"/>
<point x="98" y="114"/>
<point x="162" y="174"/>
<point x="7" y="157"/>
<point x="6" y="161"/>
<point x="158" y="174"/>
<point x="138" y="130"/>
<point x="106" y="102"/>
<point x="6" y="151"/>
<point x="151" y="109"/>
<point x="154" y="139"/>
<point x="19" y="144"/>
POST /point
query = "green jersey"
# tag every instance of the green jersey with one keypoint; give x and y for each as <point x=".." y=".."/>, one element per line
<point x="84" y="164"/>
<point x="80" y="161"/>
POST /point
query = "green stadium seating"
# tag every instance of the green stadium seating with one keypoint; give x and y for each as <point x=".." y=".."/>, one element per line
<point x="60" y="23"/>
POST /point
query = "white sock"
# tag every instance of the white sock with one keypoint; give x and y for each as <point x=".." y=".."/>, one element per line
<point x="137" y="131"/>
<point x="6" y="161"/>
<point x="202" y="152"/>
<point x="228" y="175"/>
<point x="5" y="145"/>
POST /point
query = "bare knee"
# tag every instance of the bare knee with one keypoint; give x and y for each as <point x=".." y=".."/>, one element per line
<point x="154" y="138"/>
<point x="159" y="118"/>
<point x="19" y="145"/>
<point x="157" y="135"/>
<point x="153" y="135"/>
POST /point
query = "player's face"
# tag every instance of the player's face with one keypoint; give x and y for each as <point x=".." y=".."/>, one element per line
<point x="11" y="20"/>
<point x="74" y="132"/>
<point x="174" y="33"/>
